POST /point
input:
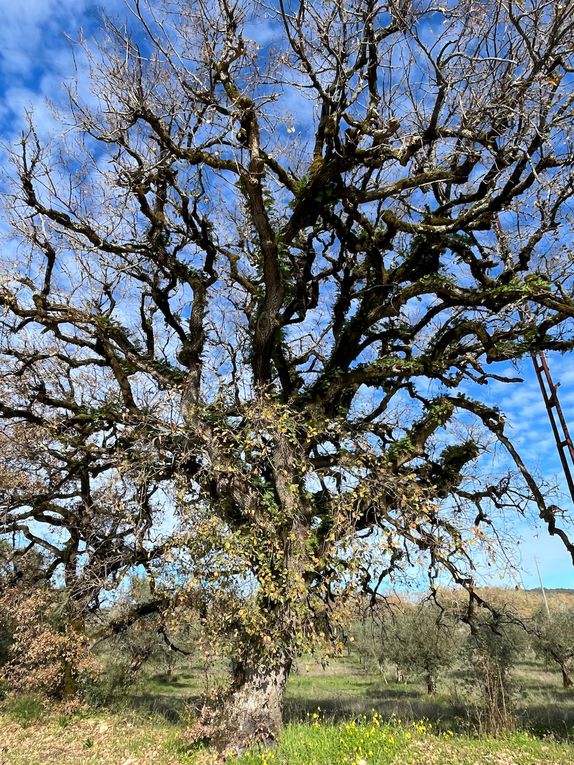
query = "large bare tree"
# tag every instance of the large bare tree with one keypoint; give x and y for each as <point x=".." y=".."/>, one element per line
<point x="251" y="282"/>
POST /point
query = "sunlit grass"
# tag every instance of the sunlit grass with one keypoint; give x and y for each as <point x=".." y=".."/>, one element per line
<point x="146" y="723"/>
<point x="50" y="738"/>
<point x="371" y="741"/>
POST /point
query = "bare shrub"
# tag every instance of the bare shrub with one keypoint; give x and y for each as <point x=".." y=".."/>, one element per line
<point x="45" y="654"/>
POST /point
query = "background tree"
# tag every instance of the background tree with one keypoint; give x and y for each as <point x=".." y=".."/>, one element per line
<point x="153" y="638"/>
<point x="260" y="322"/>
<point x="367" y="634"/>
<point x="554" y="639"/>
<point x="421" y="640"/>
<point x="493" y="648"/>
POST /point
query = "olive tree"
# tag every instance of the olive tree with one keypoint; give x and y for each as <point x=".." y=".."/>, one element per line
<point x="553" y="639"/>
<point x="493" y="648"/>
<point x="252" y="274"/>
<point x="422" y="639"/>
<point x="155" y="638"/>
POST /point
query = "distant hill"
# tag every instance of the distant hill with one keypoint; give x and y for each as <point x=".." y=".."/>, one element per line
<point x="522" y="602"/>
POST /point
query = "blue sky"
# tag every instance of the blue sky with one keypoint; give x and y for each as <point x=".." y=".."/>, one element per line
<point x="36" y="58"/>
<point x="531" y="434"/>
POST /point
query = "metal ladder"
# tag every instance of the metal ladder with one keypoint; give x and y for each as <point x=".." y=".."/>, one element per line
<point x="556" y="417"/>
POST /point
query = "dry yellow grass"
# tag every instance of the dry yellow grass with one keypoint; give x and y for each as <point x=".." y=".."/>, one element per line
<point x="93" y="740"/>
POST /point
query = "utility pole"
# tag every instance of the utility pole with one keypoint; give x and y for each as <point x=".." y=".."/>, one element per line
<point x="542" y="588"/>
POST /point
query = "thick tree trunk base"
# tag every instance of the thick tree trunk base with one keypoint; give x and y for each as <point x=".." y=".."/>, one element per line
<point x="252" y="713"/>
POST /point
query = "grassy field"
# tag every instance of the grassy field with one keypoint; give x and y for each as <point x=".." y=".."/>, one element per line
<point x="344" y="690"/>
<point x="137" y="739"/>
<point x="338" y="715"/>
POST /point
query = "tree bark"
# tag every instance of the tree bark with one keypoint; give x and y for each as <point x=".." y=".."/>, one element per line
<point x="567" y="681"/>
<point x="69" y="685"/>
<point x="138" y="661"/>
<point x="252" y="713"/>
<point x="69" y="688"/>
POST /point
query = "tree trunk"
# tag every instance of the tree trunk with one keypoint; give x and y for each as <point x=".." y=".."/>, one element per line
<point x="137" y="662"/>
<point x="431" y="684"/>
<point x="566" y="678"/>
<point x="252" y="713"/>
<point x="69" y="686"/>
<point x="68" y="690"/>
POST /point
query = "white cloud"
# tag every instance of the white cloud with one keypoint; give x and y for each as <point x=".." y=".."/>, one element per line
<point x="36" y="52"/>
<point x="32" y="31"/>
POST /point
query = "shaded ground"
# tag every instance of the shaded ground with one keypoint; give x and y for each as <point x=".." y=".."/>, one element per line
<point x="344" y="691"/>
<point x="145" y="724"/>
<point x="103" y="739"/>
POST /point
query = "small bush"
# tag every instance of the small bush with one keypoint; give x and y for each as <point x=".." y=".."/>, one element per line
<point x="46" y="656"/>
<point x="100" y="690"/>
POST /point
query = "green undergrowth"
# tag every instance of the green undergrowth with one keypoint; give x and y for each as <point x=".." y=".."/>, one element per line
<point x="371" y="741"/>
<point x="322" y="743"/>
<point x="38" y="735"/>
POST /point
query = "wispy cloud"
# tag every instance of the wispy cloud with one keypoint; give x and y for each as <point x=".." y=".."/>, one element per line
<point x="37" y="39"/>
<point x="33" y="35"/>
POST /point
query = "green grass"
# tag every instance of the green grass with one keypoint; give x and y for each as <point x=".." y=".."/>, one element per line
<point x="318" y="743"/>
<point x="373" y="742"/>
<point x="345" y="690"/>
<point x="109" y="738"/>
<point x="24" y="709"/>
<point x="146" y="724"/>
